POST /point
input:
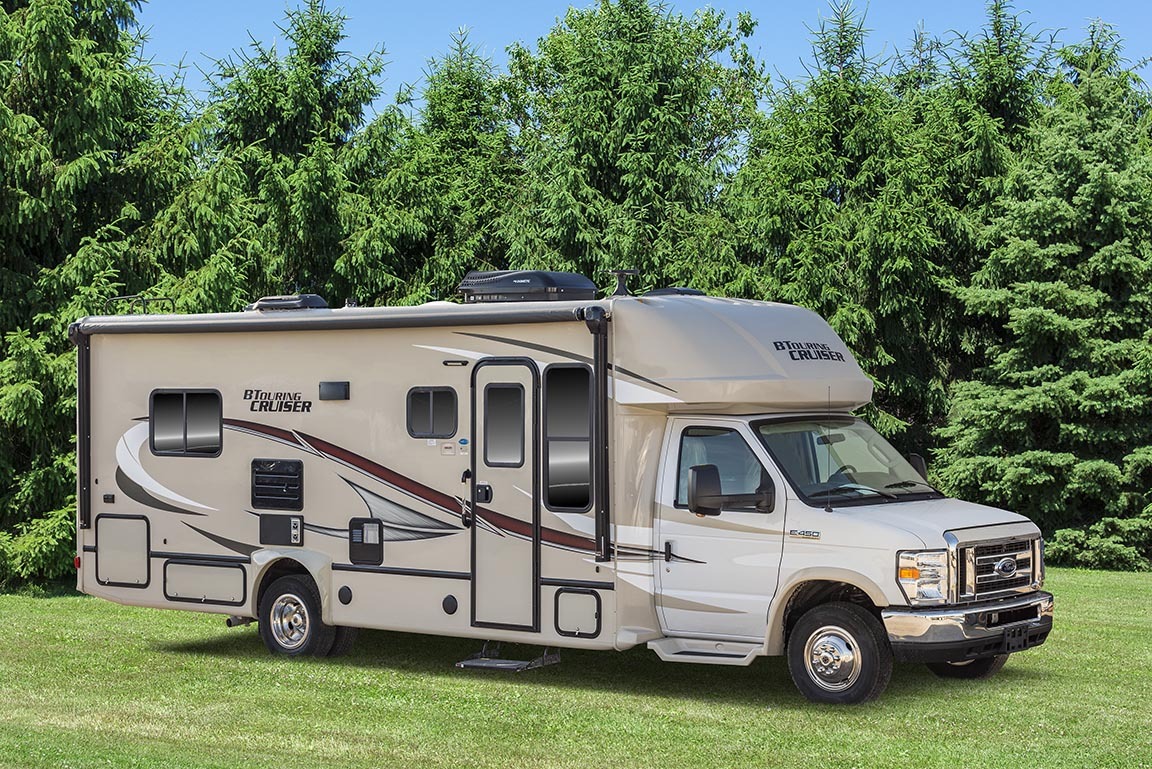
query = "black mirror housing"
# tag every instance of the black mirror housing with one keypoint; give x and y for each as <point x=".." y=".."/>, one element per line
<point x="919" y="464"/>
<point x="704" y="495"/>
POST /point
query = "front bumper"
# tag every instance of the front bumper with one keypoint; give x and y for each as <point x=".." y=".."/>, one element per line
<point x="959" y="633"/>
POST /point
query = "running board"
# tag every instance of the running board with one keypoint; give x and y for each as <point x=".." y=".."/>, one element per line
<point x="488" y="658"/>
<point x="705" y="652"/>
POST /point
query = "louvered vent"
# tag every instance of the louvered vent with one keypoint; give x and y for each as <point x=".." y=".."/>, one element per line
<point x="277" y="484"/>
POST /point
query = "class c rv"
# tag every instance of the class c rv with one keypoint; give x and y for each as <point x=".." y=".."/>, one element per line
<point x="537" y="466"/>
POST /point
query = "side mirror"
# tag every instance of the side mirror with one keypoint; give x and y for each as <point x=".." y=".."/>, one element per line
<point x="919" y="464"/>
<point x="704" y="496"/>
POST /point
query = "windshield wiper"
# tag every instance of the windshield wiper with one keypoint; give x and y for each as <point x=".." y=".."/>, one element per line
<point x="906" y="484"/>
<point x="856" y="487"/>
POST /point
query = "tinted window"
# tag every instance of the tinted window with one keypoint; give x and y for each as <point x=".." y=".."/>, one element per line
<point x="740" y="471"/>
<point x="203" y="423"/>
<point x="504" y="425"/>
<point x="567" y="430"/>
<point x="167" y="422"/>
<point x="186" y="423"/>
<point x="432" y="412"/>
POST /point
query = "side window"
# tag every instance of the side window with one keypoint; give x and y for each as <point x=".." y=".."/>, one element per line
<point x="432" y="412"/>
<point x="740" y="471"/>
<point x="567" y="438"/>
<point x="504" y="425"/>
<point x="186" y="423"/>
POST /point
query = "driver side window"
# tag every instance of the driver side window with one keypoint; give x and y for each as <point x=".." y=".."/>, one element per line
<point x="740" y="471"/>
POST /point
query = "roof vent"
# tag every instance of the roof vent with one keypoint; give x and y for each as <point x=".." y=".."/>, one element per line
<point x="526" y="286"/>
<point x="291" y="302"/>
<point x="675" y="291"/>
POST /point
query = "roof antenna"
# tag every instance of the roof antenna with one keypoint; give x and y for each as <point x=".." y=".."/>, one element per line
<point x="828" y="452"/>
<point x="622" y="281"/>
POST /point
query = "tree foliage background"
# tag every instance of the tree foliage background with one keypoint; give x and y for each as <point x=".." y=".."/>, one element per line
<point x="973" y="216"/>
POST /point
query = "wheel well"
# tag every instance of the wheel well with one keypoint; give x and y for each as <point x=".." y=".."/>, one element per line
<point x="812" y="594"/>
<point x="282" y="568"/>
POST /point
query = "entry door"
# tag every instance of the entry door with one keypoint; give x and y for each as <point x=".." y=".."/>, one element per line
<point x="720" y="572"/>
<point x="505" y="498"/>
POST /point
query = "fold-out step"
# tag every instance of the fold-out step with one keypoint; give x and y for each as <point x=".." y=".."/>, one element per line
<point x="705" y="652"/>
<point x="488" y="658"/>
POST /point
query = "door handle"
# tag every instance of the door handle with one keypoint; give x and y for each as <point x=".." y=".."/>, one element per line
<point x="668" y="551"/>
<point x="483" y="493"/>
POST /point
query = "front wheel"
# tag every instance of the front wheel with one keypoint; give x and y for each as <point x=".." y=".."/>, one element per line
<point x="838" y="654"/>
<point x="985" y="667"/>
<point x="290" y="621"/>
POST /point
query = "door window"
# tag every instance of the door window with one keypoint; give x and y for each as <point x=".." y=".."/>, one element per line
<point x="740" y="471"/>
<point x="504" y="425"/>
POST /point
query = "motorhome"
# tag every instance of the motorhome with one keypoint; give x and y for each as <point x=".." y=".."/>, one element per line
<point x="536" y="465"/>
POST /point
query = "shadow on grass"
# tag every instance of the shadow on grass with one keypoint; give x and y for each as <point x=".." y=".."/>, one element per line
<point x="638" y="671"/>
<point x="65" y="588"/>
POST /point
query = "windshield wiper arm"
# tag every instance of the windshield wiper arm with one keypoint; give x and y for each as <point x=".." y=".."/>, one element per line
<point x="906" y="484"/>
<point x="856" y="487"/>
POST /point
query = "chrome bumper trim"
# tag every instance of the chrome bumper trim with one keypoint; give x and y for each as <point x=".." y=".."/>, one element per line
<point x="957" y="624"/>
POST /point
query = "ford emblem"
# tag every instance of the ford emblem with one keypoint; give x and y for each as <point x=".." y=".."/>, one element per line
<point x="1005" y="567"/>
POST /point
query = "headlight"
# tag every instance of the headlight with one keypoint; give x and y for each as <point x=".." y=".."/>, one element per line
<point x="923" y="576"/>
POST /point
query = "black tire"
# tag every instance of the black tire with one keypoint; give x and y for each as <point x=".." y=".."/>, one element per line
<point x="985" y="667"/>
<point x="290" y="620"/>
<point x="345" y="638"/>
<point x="838" y="653"/>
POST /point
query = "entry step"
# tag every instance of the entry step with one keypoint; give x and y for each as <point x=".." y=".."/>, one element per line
<point x="705" y="651"/>
<point x="488" y="658"/>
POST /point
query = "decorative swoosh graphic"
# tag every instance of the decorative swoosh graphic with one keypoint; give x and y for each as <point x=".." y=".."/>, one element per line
<point x="128" y="461"/>
<point x="402" y="524"/>
<point x="563" y="354"/>
<point x="231" y="544"/>
<point x="437" y="499"/>
<point x="138" y="494"/>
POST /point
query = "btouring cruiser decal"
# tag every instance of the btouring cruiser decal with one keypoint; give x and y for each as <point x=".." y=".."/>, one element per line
<point x="401" y="523"/>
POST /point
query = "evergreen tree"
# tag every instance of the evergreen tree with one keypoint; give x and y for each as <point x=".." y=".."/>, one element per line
<point x="842" y="201"/>
<point x="1055" y="424"/>
<point x="629" y="119"/>
<point x="73" y="106"/>
<point x="440" y="204"/>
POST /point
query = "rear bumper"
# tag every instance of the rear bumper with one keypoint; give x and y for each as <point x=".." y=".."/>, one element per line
<point x="969" y="632"/>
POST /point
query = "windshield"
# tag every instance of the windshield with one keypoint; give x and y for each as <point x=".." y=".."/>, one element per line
<point x="840" y="460"/>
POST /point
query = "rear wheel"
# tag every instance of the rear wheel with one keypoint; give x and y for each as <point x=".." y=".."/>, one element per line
<point x="985" y="667"/>
<point x="290" y="621"/>
<point x="838" y="653"/>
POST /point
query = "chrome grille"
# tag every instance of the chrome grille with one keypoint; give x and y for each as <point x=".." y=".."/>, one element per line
<point x="978" y="576"/>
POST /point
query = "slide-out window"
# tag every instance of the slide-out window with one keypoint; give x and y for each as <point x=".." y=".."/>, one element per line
<point x="567" y="434"/>
<point x="186" y="423"/>
<point x="432" y="412"/>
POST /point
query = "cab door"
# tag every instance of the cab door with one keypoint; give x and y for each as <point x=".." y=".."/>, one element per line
<point x="719" y="573"/>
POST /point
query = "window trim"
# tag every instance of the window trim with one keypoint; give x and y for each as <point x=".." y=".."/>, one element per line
<point x="185" y="392"/>
<point x="431" y="390"/>
<point x="676" y="503"/>
<point x="546" y="439"/>
<point x="523" y="422"/>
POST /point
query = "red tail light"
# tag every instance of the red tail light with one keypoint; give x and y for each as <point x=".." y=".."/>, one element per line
<point x="76" y="562"/>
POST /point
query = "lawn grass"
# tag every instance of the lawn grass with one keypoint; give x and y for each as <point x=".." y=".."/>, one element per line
<point x="87" y="683"/>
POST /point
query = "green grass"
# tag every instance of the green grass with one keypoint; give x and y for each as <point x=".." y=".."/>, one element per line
<point x="87" y="683"/>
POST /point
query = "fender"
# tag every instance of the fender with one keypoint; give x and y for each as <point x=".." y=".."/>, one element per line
<point x="319" y="567"/>
<point x="774" y="644"/>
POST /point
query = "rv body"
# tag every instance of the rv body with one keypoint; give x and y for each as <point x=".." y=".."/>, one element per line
<point x="534" y="472"/>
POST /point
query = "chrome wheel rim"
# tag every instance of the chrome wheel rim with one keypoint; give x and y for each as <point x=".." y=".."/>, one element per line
<point x="288" y="621"/>
<point x="832" y="658"/>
